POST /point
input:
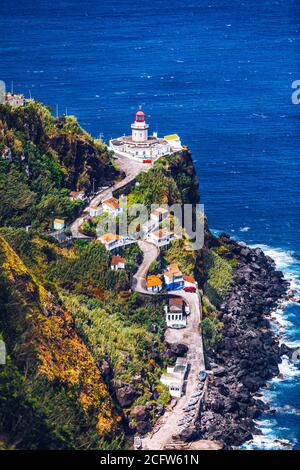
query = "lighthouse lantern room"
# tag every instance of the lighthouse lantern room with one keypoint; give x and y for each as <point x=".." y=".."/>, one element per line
<point x="139" y="127"/>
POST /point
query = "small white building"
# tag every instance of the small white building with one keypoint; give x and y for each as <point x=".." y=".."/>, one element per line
<point x="160" y="214"/>
<point x="139" y="144"/>
<point x="189" y="281"/>
<point x="111" y="241"/>
<point x="174" y="378"/>
<point x="117" y="262"/>
<point x="112" y="206"/>
<point x="156" y="217"/>
<point x="77" y="195"/>
<point x="14" y="100"/>
<point x="95" y="211"/>
<point x="161" y="237"/>
<point x="174" y="142"/>
<point x="175" y="313"/>
<point x="59" y="224"/>
<point x="173" y="277"/>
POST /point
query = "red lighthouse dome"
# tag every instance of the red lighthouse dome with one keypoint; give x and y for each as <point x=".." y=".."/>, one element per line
<point x="140" y="116"/>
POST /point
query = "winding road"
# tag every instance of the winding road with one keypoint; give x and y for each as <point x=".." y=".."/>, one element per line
<point x="190" y="336"/>
<point x="131" y="169"/>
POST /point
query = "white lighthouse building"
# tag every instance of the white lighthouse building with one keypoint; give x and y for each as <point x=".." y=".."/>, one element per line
<point x="140" y="127"/>
<point x="140" y="146"/>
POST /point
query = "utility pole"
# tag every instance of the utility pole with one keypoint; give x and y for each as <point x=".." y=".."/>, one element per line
<point x="30" y="94"/>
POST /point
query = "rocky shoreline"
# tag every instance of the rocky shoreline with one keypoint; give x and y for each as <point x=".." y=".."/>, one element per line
<point x="248" y="354"/>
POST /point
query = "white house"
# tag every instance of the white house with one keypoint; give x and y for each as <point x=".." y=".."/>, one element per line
<point x="189" y="281"/>
<point x="174" y="142"/>
<point x="161" y="237"/>
<point x="77" y="195"/>
<point x="174" y="378"/>
<point x="95" y="211"/>
<point x="14" y="100"/>
<point x="175" y="313"/>
<point x="159" y="215"/>
<point x="112" y="206"/>
<point x="117" y="262"/>
<point x="59" y="224"/>
<point x="173" y="277"/>
<point x="156" y="217"/>
<point x="111" y="241"/>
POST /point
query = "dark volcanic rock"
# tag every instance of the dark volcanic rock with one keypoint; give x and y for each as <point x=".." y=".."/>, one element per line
<point x="126" y="396"/>
<point x="175" y="350"/>
<point x="248" y="354"/>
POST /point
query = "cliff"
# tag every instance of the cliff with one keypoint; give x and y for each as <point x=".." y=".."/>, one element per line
<point x="51" y="386"/>
<point x="84" y="351"/>
<point x="42" y="158"/>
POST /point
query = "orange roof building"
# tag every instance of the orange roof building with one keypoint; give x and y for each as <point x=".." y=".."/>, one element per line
<point x="117" y="262"/>
<point x="111" y="240"/>
<point x="154" y="284"/>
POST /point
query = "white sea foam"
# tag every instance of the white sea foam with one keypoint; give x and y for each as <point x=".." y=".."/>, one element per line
<point x="244" y="229"/>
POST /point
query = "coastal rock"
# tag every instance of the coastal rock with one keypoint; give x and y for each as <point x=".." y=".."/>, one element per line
<point x="247" y="355"/>
<point x="126" y="396"/>
<point x="175" y="350"/>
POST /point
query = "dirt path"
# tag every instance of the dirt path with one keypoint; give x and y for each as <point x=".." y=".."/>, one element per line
<point x="131" y="169"/>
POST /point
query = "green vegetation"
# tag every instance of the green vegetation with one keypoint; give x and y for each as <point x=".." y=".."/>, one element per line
<point x="43" y="159"/>
<point x="211" y="330"/>
<point x="218" y="274"/>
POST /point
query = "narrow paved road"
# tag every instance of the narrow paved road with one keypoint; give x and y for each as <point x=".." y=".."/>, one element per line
<point x="150" y="253"/>
<point x="131" y="169"/>
<point x="191" y="336"/>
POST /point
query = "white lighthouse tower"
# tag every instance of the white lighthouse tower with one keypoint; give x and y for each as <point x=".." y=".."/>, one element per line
<point x="139" y="127"/>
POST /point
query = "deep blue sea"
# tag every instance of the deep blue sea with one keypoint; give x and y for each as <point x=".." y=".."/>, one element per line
<point x="218" y="73"/>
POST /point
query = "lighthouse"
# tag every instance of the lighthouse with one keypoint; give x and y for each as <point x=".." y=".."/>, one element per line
<point x="139" y="127"/>
<point x="143" y="147"/>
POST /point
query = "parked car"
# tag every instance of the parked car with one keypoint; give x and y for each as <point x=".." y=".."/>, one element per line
<point x="190" y="289"/>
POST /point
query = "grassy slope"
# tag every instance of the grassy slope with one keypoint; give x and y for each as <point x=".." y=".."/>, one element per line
<point x="51" y="375"/>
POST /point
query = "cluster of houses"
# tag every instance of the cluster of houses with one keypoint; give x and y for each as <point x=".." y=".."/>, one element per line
<point x="151" y="230"/>
<point x="172" y="279"/>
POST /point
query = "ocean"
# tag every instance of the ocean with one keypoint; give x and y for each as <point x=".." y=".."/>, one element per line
<point x="220" y="75"/>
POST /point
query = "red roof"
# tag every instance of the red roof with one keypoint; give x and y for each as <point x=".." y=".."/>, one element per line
<point x="117" y="259"/>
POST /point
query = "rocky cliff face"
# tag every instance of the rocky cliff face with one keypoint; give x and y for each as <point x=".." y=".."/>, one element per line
<point x="248" y="353"/>
<point x="84" y="162"/>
